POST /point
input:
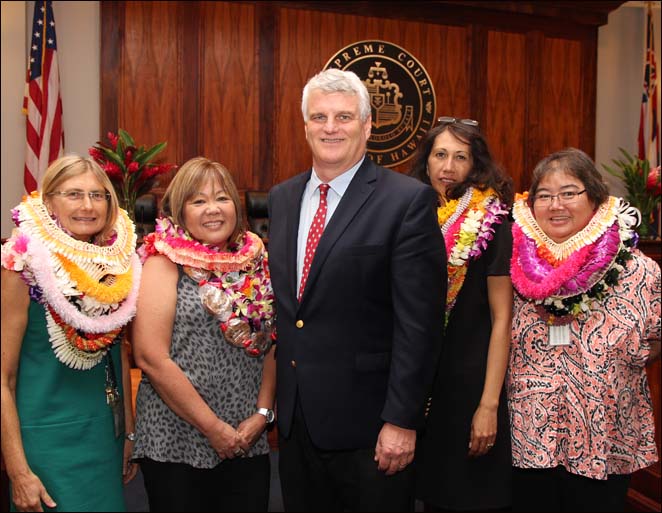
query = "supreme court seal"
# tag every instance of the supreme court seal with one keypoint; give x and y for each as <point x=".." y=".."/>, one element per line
<point x="401" y="96"/>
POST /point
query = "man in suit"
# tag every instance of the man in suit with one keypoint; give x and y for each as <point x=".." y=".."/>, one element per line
<point x="359" y="273"/>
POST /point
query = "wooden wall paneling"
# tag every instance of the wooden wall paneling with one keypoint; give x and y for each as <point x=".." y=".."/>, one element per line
<point x="298" y="57"/>
<point x="444" y="51"/>
<point x="112" y="44"/>
<point x="534" y="147"/>
<point x="229" y="121"/>
<point x="267" y="23"/>
<point x="560" y="18"/>
<point x="191" y="33"/>
<point x="450" y="61"/>
<point x="589" y="93"/>
<point x="152" y="79"/>
<point x="562" y="92"/>
<point x="505" y="115"/>
<point x="477" y="41"/>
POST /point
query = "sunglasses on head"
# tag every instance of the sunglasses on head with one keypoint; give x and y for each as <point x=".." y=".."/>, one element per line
<point x="449" y="120"/>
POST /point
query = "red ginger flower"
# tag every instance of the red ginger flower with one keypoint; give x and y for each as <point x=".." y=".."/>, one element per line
<point x="653" y="183"/>
<point x="129" y="166"/>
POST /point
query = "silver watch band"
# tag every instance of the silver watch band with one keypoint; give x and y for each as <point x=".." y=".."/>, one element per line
<point x="269" y="414"/>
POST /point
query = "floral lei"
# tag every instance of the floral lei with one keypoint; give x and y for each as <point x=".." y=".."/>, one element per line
<point x="565" y="280"/>
<point x="89" y="292"/>
<point x="467" y="224"/>
<point x="234" y="285"/>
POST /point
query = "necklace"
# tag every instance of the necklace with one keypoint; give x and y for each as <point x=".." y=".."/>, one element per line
<point x="468" y="226"/>
<point x="234" y="285"/>
<point x="89" y="292"/>
<point x="565" y="280"/>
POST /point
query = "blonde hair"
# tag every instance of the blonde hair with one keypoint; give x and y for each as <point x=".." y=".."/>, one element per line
<point x="70" y="166"/>
<point x="188" y="181"/>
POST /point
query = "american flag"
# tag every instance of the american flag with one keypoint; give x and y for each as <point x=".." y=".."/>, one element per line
<point x="649" y="128"/>
<point x="42" y="102"/>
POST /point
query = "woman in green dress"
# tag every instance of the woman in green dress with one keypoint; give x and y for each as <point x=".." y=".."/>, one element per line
<point x="69" y="285"/>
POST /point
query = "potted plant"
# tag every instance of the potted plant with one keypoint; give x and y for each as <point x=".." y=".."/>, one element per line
<point x="644" y="189"/>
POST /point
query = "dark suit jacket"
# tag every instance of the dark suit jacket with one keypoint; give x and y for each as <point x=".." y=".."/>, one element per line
<point x="360" y="349"/>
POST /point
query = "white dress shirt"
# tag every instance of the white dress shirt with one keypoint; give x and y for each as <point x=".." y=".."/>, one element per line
<point x="309" y="203"/>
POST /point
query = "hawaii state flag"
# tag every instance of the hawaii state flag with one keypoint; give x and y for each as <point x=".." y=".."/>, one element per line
<point x="649" y="128"/>
<point x="42" y="103"/>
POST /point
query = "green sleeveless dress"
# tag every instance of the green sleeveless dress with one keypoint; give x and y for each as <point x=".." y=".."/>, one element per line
<point x="66" y="425"/>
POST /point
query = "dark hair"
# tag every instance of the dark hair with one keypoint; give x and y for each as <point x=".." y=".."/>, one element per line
<point x="484" y="174"/>
<point x="576" y="163"/>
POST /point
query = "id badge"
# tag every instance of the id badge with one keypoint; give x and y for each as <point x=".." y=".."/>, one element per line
<point x="117" y="407"/>
<point x="559" y="335"/>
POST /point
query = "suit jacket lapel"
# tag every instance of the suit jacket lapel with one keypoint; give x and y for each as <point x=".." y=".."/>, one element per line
<point x="359" y="190"/>
<point x="293" y="216"/>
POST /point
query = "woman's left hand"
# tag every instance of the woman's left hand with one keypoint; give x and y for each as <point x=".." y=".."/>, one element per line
<point x="483" y="431"/>
<point x="251" y="429"/>
<point x="129" y="468"/>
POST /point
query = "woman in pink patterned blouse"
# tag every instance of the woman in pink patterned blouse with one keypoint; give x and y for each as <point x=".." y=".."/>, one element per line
<point x="586" y="320"/>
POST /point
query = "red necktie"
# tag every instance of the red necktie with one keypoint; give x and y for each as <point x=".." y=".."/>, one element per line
<point x="314" y="234"/>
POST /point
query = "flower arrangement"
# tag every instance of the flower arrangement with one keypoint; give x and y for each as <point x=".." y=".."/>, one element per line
<point x="643" y="186"/>
<point x="129" y="167"/>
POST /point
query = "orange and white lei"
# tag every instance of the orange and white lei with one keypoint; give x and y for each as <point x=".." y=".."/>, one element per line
<point x="89" y="292"/>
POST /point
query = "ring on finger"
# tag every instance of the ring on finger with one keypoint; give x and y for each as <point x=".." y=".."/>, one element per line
<point x="489" y="446"/>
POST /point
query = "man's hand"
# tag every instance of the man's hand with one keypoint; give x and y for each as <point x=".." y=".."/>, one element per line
<point x="395" y="448"/>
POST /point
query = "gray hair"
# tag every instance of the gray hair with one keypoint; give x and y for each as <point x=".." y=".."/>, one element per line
<point x="338" y="81"/>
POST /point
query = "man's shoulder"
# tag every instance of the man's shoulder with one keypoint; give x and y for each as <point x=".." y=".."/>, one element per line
<point x="400" y="181"/>
<point x="290" y="183"/>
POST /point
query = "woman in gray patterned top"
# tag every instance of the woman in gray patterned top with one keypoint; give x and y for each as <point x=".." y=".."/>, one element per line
<point x="202" y="335"/>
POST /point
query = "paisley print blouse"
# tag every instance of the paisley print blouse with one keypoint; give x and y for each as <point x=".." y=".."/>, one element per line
<point x="586" y="406"/>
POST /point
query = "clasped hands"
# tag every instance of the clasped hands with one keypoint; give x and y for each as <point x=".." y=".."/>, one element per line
<point x="230" y="443"/>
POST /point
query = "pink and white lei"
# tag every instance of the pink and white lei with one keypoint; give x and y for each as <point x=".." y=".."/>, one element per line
<point x="564" y="279"/>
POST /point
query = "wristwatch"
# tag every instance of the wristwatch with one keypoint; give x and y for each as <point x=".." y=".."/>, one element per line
<point x="131" y="437"/>
<point x="269" y="414"/>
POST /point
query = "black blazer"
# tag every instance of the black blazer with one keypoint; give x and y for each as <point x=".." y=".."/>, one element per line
<point x="361" y="347"/>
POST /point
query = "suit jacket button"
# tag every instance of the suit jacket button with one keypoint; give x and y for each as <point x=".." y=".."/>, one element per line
<point x="293" y="363"/>
<point x="299" y="324"/>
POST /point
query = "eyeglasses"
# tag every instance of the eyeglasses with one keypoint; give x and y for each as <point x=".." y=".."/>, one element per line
<point x="75" y="196"/>
<point x="564" y="197"/>
<point x="447" y="119"/>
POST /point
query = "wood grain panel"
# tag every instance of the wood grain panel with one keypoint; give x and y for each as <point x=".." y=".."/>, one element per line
<point x="589" y="77"/>
<point x="151" y="91"/>
<point x="443" y="51"/>
<point x="506" y="102"/>
<point x="112" y="45"/>
<point x="229" y="89"/>
<point x="562" y="92"/>
<point x="266" y="22"/>
<point x="535" y="74"/>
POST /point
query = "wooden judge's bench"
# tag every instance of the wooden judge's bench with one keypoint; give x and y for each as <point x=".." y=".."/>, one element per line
<point x="646" y="486"/>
